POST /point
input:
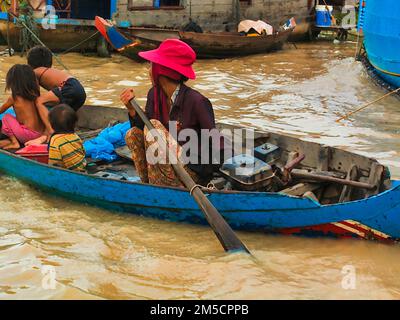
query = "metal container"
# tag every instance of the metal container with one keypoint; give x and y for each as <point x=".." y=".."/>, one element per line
<point x="247" y="172"/>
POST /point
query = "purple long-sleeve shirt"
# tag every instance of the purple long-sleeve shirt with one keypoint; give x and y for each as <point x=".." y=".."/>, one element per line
<point x="191" y="110"/>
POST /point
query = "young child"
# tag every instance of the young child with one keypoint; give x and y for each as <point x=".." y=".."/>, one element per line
<point x="65" y="147"/>
<point x="62" y="87"/>
<point x="27" y="125"/>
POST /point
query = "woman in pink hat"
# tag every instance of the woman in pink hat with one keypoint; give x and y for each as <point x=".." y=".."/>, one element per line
<point x="172" y="106"/>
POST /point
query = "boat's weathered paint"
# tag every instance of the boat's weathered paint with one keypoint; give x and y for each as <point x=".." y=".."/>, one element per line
<point x="380" y="22"/>
<point x="243" y="210"/>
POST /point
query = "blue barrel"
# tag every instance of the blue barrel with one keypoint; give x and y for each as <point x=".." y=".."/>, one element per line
<point x="156" y="3"/>
<point x="323" y="16"/>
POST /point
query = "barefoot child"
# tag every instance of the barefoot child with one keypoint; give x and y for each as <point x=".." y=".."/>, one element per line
<point x="61" y="86"/>
<point x="27" y="125"/>
<point x="65" y="148"/>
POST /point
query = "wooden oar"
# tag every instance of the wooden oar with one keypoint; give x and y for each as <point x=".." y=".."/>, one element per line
<point x="368" y="104"/>
<point x="223" y="231"/>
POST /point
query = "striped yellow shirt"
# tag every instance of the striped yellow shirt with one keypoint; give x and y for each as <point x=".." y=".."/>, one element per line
<point x="66" y="151"/>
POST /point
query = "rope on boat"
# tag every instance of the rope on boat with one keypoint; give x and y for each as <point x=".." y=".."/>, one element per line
<point x="371" y="70"/>
<point x="210" y="187"/>
<point x="80" y="43"/>
<point x="10" y="50"/>
<point x="29" y="30"/>
<point x="38" y="39"/>
<point x="369" y="104"/>
<point x="195" y="187"/>
<point x="30" y="26"/>
<point x="358" y="48"/>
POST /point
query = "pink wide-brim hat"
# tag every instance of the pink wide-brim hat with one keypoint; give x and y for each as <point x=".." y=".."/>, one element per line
<point x="174" y="54"/>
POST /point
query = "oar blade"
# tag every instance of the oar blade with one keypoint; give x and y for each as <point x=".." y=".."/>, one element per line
<point x="227" y="237"/>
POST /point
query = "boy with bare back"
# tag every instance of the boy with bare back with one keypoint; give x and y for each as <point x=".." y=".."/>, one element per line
<point x="27" y="125"/>
<point x="62" y="88"/>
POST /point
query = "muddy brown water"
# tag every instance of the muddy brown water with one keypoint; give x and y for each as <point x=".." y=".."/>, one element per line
<point x="100" y="254"/>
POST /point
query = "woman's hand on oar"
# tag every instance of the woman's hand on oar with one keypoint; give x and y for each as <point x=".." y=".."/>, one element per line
<point x="223" y="231"/>
<point x="126" y="97"/>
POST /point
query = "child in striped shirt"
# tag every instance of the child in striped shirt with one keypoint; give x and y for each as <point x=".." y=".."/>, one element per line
<point x="65" y="147"/>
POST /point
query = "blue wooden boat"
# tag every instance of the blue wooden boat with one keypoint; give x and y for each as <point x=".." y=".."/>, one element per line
<point x="380" y="23"/>
<point x="372" y="216"/>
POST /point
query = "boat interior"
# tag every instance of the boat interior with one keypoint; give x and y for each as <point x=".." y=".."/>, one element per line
<point x="276" y="163"/>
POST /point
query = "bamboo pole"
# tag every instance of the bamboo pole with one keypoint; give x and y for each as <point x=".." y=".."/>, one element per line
<point x="317" y="177"/>
<point x="368" y="104"/>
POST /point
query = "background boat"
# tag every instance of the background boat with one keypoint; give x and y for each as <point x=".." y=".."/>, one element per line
<point x="221" y="45"/>
<point x="380" y="23"/>
<point x="207" y="44"/>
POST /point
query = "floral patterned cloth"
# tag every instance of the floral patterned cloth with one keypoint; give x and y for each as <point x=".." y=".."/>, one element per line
<point x="139" y="142"/>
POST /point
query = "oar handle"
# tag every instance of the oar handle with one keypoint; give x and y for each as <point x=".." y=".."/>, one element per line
<point x="222" y="230"/>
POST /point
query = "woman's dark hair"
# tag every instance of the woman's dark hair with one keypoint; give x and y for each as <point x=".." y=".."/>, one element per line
<point x="22" y="82"/>
<point x="40" y="56"/>
<point x="63" y="119"/>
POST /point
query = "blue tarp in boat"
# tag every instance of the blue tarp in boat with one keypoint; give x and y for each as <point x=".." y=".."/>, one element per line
<point x="103" y="146"/>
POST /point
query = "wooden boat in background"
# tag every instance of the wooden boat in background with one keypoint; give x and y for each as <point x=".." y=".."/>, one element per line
<point x="372" y="215"/>
<point x="207" y="44"/>
<point x="66" y="36"/>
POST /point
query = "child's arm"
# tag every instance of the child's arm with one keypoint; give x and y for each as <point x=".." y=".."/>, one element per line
<point x="44" y="116"/>
<point x="8" y="104"/>
<point x="43" y="111"/>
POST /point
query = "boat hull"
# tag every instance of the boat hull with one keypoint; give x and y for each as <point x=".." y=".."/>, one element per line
<point x="381" y="28"/>
<point x="63" y="38"/>
<point x="225" y="45"/>
<point x="208" y="45"/>
<point x="375" y="218"/>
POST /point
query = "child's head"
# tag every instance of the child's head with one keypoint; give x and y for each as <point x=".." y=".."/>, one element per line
<point x="22" y="82"/>
<point x="63" y="119"/>
<point x="40" y="56"/>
